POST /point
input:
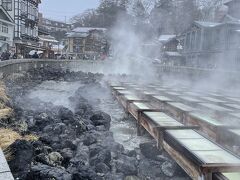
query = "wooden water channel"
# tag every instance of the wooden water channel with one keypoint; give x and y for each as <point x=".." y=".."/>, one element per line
<point x="200" y="131"/>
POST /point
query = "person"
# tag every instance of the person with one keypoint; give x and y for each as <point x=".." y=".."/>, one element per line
<point x="2" y="56"/>
<point x="14" y="56"/>
<point x="5" y="56"/>
<point x="35" y="56"/>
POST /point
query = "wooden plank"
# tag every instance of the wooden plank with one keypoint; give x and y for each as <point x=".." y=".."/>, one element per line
<point x="191" y="169"/>
<point x="190" y="99"/>
<point x="177" y="110"/>
<point x="207" y="124"/>
<point x="234" y="106"/>
<point x="213" y="107"/>
<point x="212" y="99"/>
<point x="207" y="155"/>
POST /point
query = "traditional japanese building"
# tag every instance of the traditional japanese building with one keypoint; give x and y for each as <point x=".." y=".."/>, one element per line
<point x="169" y="48"/>
<point x="233" y="8"/>
<point x="6" y="30"/>
<point x="53" y="25"/>
<point x="87" y="41"/>
<point x="212" y="45"/>
<point x="25" y="16"/>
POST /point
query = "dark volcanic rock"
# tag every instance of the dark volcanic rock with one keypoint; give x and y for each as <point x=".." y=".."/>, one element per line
<point x="150" y="150"/>
<point x="42" y="172"/>
<point x="102" y="168"/>
<point x="101" y="118"/>
<point x="22" y="154"/>
<point x="65" y="114"/>
<point x="126" y="165"/>
<point x="103" y="156"/>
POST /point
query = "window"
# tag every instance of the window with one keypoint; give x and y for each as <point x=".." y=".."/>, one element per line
<point x="3" y="28"/>
<point x="7" y="5"/>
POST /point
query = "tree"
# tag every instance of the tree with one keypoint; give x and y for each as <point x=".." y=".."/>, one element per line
<point x="207" y="9"/>
<point x="173" y="16"/>
<point x="88" y="18"/>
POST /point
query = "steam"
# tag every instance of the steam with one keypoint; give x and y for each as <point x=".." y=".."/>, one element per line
<point x="129" y="56"/>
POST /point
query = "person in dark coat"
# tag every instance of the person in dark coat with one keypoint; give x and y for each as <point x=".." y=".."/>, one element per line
<point x="5" y="56"/>
<point x="35" y="56"/>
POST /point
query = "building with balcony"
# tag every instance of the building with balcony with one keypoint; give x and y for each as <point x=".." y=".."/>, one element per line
<point x="25" y="16"/>
<point x="53" y="25"/>
<point x="87" y="42"/>
<point x="170" y="49"/>
<point x="6" y="30"/>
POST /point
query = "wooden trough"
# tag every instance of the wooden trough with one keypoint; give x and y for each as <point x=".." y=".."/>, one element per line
<point x="156" y="123"/>
<point x="126" y="99"/>
<point x="197" y="155"/>
<point x="200" y="157"/>
<point x="214" y="108"/>
<point x="159" y="101"/>
<point x="178" y="110"/>
<point x="207" y="124"/>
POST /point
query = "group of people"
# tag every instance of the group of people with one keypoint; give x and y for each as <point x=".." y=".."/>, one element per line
<point x="6" y="55"/>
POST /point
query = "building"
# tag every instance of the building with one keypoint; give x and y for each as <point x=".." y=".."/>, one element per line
<point x="47" y="44"/>
<point x="25" y="16"/>
<point x="169" y="50"/>
<point x="233" y="8"/>
<point x="87" y="41"/>
<point x="212" y="45"/>
<point x="53" y="25"/>
<point x="6" y="30"/>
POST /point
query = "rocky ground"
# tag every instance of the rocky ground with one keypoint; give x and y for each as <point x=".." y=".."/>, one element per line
<point x="74" y="144"/>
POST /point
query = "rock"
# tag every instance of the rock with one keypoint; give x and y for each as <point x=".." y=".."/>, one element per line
<point x="65" y="114"/>
<point x="69" y="144"/>
<point x="126" y="165"/>
<point x="149" y="169"/>
<point x="168" y="168"/>
<point x="59" y="128"/>
<point x="150" y="150"/>
<point x="81" y="157"/>
<point x="102" y="168"/>
<point x="103" y="156"/>
<point x="67" y="154"/>
<point x="41" y="171"/>
<point x="113" y="176"/>
<point x="55" y="159"/>
<point x="89" y="139"/>
<point x="21" y="157"/>
<point x="88" y="174"/>
<point x="101" y="118"/>
<point x="131" y="178"/>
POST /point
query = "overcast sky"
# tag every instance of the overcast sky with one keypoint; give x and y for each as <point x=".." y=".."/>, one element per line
<point x="61" y="9"/>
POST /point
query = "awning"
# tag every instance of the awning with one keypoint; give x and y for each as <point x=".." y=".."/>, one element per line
<point x="48" y="40"/>
<point x="33" y="47"/>
<point x="173" y="54"/>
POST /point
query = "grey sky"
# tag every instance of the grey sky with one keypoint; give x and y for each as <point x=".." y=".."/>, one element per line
<point x="59" y="9"/>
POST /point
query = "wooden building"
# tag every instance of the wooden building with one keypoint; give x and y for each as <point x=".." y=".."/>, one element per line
<point x="84" y="42"/>
<point x="170" y="50"/>
<point x="6" y="30"/>
<point x="212" y="45"/>
<point x="233" y="8"/>
<point x="25" y="16"/>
